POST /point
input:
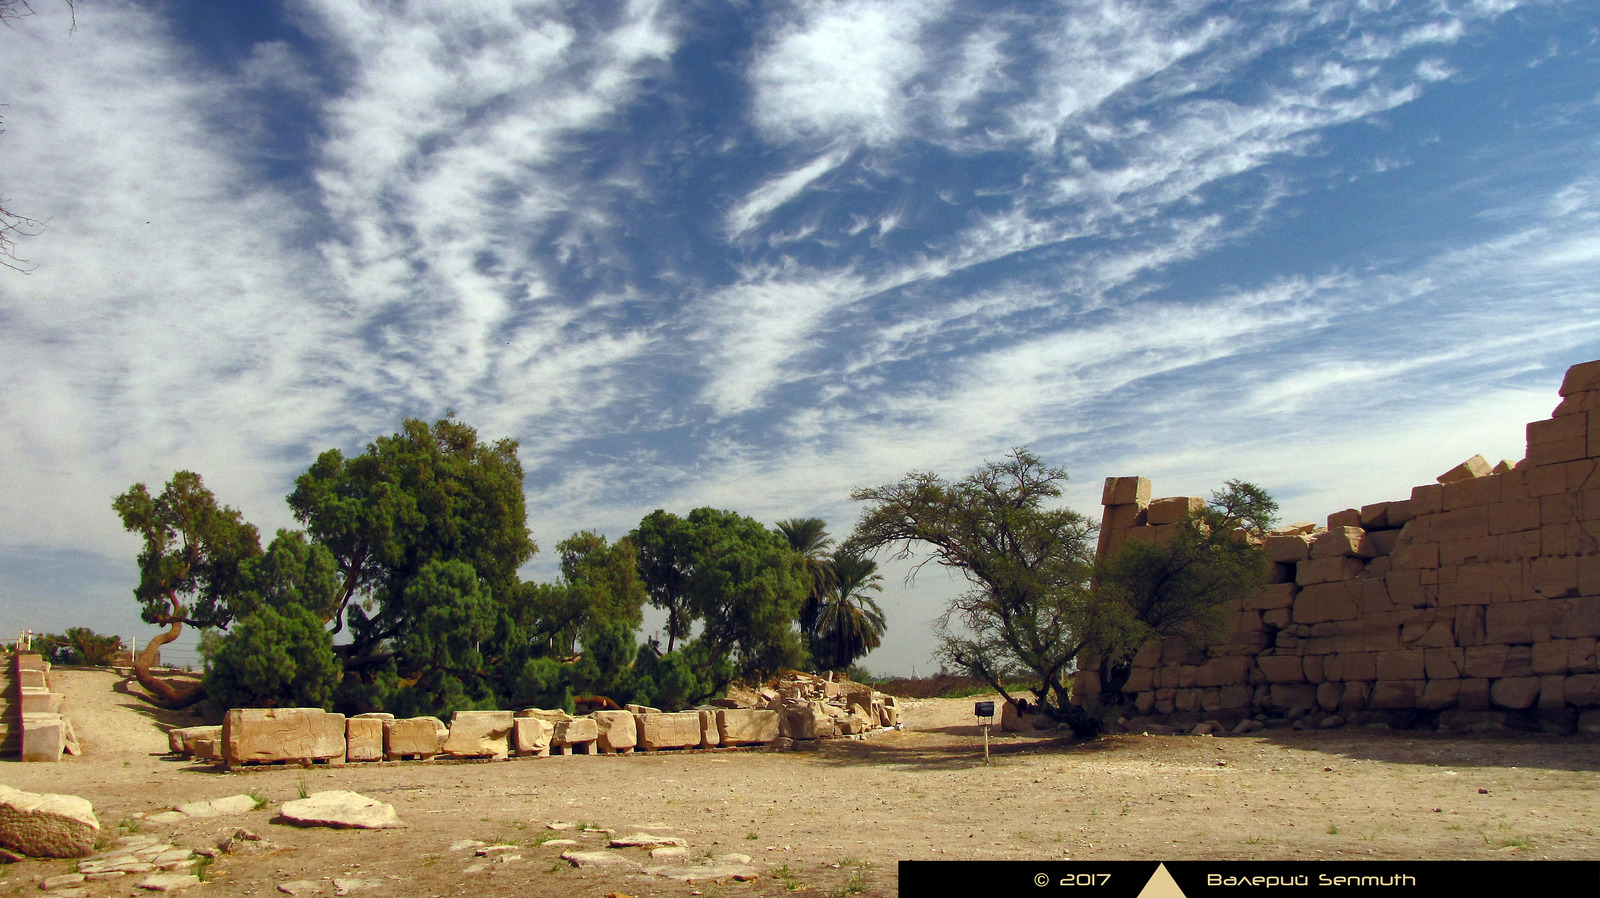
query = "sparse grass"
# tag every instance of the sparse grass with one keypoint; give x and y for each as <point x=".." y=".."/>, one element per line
<point x="301" y="790"/>
<point x="202" y="869"/>
<point x="790" y="879"/>
<point x="1454" y="827"/>
<point x="1024" y="836"/>
<point x="1333" y="829"/>
<point x="130" y="825"/>
<point x="1126" y="806"/>
<point x="259" y="798"/>
<point x="857" y="885"/>
<point x="1252" y="840"/>
<point x="1517" y="842"/>
<point x="752" y="835"/>
<point x="429" y="860"/>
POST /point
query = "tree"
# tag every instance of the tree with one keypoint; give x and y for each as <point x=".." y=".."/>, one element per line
<point x="81" y="645"/>
<point x="850" y="623"/>
<point x="1028" y="564"/>
<point x="1179" y="587"/>
<point x="274" y="657"/>
<point x="809" y="537"/>
<point x="191" y="566"/>
<point x="425" y="496"/>
<point x="735" y="580"/>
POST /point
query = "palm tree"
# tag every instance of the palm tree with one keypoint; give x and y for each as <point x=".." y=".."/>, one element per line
<point x="809" y="537"/>
<point x="850" y="623"/>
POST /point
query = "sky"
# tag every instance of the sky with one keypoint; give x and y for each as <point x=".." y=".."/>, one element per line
<point x="757" y="255"/>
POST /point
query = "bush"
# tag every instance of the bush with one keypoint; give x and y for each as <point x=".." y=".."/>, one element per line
<point x="275" y="659"/>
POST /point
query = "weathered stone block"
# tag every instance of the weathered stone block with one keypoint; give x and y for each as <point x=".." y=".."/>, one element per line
<point x="1583" y="690"/>
<point x="1474" y="695"/>
<point x="1550" y="657"/>
<point x="1552" y="693"/>
<point x="1318" y="602"/>
<point x="31" y="679"/>
<point x="47" y="824"/>
<point x="1273" y="595"/>
<point x="1342" y="541"/>
<point x="618" y="730"/>
<point x="1581" y="656"/>
<point x="1126" y="491"/>
<point x="1287" y="548"/>
<point x="577" y="734"/>
<point x="181" y="739"/>
<point x="679" y="729"/>
<point x="1515" y="516"/>
<point x="44" y="737"/>
<point x="1518" y="623"/>
<point x="1581" y="377"/>
<point x="1467" y="493"/>
<point x="1374" y="516"/>
<point x="531" y="736"/>
<point x="1393" y="694"/>
<point x="1226" y="671"/>
<point x="1580" y="618"/>
<point x="1349" y="517"/>
<point x="1356" y="696"/>
<point x="1514" y="693"/>
<point x="1476" y="466"/>
<point x="1174" y="509"/>
<point x="1486" y="661"/>
<point x="479" y="734"/>
<point x="747" y="727"/>
<point x="35" y="700"/>
<point x="1443" y="663"/>
<point x="1404" y="664"/>
<point x="363" y="739"/>
<point x="1439" y="694"/>
<point x="1473" y="550"/>
<point x="1327" y="570"/>
<point x="1281" y="668"/>
<point x="251" y="735"/>
<point x="421" y="736"/>
<point x="808" y="721"/>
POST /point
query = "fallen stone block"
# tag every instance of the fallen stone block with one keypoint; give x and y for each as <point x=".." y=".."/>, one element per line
<point x="168" y="882"/>
<point x="341" y="809"/>
<point x="363" y="738"/>
<point x="479" y="734"/>
<point x="679" y="729"/>
<point x="421" y="737"/>
<point x="601" y="858"/>
<point x="748" y="727"/>
<point x="1476" y="466"/>
<point x="218" y="807"/>
<point x="266" y="735"/>
<point x="580" y="734"/>
<point x="531" y="735"/>
<point x="181" y="739"/>
<point x="617" y="731"/>
<point x="47" y="824"/>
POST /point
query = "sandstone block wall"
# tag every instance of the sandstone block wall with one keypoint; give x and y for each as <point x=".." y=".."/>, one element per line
<point x="1472" y="603"/>
<point x="32" y="725"/>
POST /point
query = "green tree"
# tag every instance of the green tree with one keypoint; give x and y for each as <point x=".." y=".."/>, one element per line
<point x="1179" y="587"/>
<point x="192" y="564"/>
<point x="732" y="583"/>
<point x="274" y="657"/>
<point x="81" y="645"/>
<point x="425" y="496"/>
<point x="850" y="623"/>
<point x="293" y="571"/>
<point x="1028" y="565"/>
<point x="809" y="537"/>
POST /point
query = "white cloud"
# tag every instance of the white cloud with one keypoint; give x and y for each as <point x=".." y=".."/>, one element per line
<point x="767" y="198"/>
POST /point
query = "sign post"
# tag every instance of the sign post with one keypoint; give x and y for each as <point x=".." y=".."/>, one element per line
<point x="984" y="711"/>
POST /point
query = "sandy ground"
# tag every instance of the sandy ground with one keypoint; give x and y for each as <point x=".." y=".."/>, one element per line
<point x="834" y="821"/>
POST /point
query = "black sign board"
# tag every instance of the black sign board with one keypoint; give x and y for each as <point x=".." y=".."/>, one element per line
<point x="983" y="709"/>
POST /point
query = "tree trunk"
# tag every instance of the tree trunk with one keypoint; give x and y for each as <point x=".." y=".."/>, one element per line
<point x="166" y="694"/>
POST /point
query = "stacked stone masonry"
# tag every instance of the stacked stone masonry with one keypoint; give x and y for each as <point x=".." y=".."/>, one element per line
<point x="32" y="725"/>
<point x="1472" y="604"/>
<point x="800" y="707"/>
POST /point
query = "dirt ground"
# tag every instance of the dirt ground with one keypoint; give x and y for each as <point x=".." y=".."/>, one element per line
<point x="835" y="820"/>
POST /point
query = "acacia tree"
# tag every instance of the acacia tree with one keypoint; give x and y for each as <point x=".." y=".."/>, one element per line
<point x="1178" y="588"/>
<point x="190" y="567"/>
<point x="1028" y="564"/>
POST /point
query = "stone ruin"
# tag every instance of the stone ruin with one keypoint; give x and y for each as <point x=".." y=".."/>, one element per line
<point x="793" y="712"/>
<point x="1473" y="604"/>
<point x="31" y="723"/>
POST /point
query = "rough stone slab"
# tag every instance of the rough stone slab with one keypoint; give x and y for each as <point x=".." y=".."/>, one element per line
<point x="255" y="735"/>
<point x="44" y="737"/>
<point x="531" y="735"/>
<point x="600" y="858"/>
<point x="579" y="731"/>
<point x="479" y="734"/>
<point x="738" y="872"/>
<point x="646" y="840"/>
<point x="168" y="882"/>
<point x="181" y="739"/>
<point x="47" y="824"/>
<point x="679" y="729"/>
<point x="1476" y="466"/>
<point x="422" y="736"/>
<point x="217" y="807"/>
<point x="617" y="730"/>
<point x="300" y="887"/>
<point x="342" y="809"/>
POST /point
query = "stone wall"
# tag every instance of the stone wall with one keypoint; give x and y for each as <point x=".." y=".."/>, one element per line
<point x="32" y="724"/>
<point x="1472" y="604"/>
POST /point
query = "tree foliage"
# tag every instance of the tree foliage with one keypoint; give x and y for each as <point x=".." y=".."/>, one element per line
<point x="1028" y="565"/>
<point x="274" y="657"/>
<point x="81" y="645"/>
<point x="849" y="623"/>
<point x="192" y="563"/>
<point x="1179" y="587"/>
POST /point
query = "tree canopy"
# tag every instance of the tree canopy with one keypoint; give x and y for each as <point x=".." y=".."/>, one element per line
<point x="1028" y="565"/>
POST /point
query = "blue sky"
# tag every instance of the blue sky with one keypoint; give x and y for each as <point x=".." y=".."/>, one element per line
<point x="754" y="255"/>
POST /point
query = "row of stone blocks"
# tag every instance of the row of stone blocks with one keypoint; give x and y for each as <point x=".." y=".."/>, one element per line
<point x="303" y="735"/>
<point x="45" y="733"/>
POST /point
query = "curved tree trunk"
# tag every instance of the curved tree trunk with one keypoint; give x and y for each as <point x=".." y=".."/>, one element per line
<point x="166" y="694"/>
